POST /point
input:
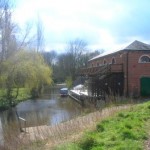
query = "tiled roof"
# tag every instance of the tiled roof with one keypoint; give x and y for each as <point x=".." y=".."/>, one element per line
<point x="136" y="45"/>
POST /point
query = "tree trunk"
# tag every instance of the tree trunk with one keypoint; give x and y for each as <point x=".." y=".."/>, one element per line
<point x="17" y="93"/>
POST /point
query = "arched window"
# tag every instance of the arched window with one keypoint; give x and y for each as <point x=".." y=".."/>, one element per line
<point x="104" y="62"/>
<point x="113" y="60"/>
<point x="144" y="59"/>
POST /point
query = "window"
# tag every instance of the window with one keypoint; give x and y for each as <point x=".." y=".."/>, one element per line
<point x="104" y="62"/>
<point x="97" y="64"/>
<point x="144" y="59"/>
<point x="113" y="61"/>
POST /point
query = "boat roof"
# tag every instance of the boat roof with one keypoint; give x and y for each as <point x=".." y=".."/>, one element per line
<point x="63" y="89"/>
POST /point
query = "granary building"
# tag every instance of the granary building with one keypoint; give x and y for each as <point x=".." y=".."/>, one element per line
<point x="124" y="72"/>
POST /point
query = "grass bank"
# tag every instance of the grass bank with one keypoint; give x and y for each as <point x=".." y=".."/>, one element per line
<point x="22" y="95"/>
<point x="127" y="130"/>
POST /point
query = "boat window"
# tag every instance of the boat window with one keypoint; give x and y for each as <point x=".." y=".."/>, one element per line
<point x="104" y="62"/>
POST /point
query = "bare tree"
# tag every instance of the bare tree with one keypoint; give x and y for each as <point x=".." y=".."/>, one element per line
<point x="40" y="36"/>
<point x="50" y="57"/>
<point x="26" y="37"/>
<point x="75" y="51"/>
<point x="7" y="28"/>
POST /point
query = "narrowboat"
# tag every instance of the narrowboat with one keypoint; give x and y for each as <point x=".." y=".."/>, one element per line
<point x="64" y="92"/>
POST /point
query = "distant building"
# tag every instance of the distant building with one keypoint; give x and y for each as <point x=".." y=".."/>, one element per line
<point x="124" y="72"/>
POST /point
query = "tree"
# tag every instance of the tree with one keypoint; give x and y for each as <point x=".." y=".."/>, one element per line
<point x="24" y="69"/>
<point x="50" y="57"/>
<point x="7" y="30"/>
<point x="59" y="68"/>
<point x="96" y="53"/>
<point x="19" y="67"/>
<point x="40" y="37"/>
<point x="75" y="50"/>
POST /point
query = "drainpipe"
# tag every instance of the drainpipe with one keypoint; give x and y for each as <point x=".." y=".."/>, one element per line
<point x="127" y="64"/>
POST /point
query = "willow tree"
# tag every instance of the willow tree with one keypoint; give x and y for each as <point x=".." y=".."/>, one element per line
<point x="24" y="69"/>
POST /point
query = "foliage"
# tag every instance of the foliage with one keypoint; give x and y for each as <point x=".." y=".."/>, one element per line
<point x="69" y="63"/>
<point x="19" y="68"/>
<point x="23" y="94"/>
<point x="69" y="82"/>
<point x="125" y="131"/>
<point x="50" y="57"/>
<point x="24" y="69"/>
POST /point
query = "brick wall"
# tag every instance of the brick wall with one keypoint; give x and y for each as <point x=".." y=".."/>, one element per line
<point x="136" y="70"/>
<point x="132" y="73"/>
<point x="108" y="58"/>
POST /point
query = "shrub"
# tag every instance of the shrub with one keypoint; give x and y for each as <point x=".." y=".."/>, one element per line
<point x="128" y="134"/>
<point x="87" y="143"/>
<point x="100" y="127"/>
<point x="128" y="126"/>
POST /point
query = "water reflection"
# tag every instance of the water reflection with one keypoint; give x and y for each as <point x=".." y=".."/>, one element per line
<point x="49" y="110"/>
<point x="1" y="132"/>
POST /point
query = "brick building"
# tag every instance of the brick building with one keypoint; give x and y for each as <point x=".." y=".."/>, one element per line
<point x="124" y="72"/>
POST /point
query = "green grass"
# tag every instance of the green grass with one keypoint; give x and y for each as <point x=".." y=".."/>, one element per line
<point x="127" y="130"/>
<point x="23" y="95"/>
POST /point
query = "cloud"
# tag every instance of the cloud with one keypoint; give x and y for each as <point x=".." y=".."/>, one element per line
<point x="105" y="24"/>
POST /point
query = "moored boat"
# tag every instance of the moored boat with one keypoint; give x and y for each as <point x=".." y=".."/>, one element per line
<point x="64" y="92"/>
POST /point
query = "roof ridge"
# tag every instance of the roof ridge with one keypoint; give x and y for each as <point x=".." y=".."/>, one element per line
<point x="135" y="45"/>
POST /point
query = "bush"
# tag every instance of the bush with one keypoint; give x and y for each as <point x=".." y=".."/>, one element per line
<point x="87" y="143"/>
<point x="128" y="134"/>
<point x="100" y="128"/>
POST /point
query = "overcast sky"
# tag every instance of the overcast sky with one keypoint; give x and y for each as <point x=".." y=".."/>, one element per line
<point x="103" y="24"/>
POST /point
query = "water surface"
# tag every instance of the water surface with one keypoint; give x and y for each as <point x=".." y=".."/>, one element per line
<point x="51" y="109"/>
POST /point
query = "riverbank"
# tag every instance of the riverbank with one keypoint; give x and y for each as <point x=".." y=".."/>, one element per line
<point x="69" y="131"/>
<point x="23" y="95"/>
<point x="120" y="127"/>
<point x="128" y="129"/>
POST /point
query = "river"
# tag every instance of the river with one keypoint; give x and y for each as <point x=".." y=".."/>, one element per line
<point x="51" y="109"/>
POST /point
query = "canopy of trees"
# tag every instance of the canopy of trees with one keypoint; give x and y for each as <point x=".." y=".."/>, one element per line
<point x="66" y="65"/>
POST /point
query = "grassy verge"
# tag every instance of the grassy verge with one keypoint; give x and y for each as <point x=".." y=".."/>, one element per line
<point x="22" y="95"/>
<point x="127" y="130"/>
